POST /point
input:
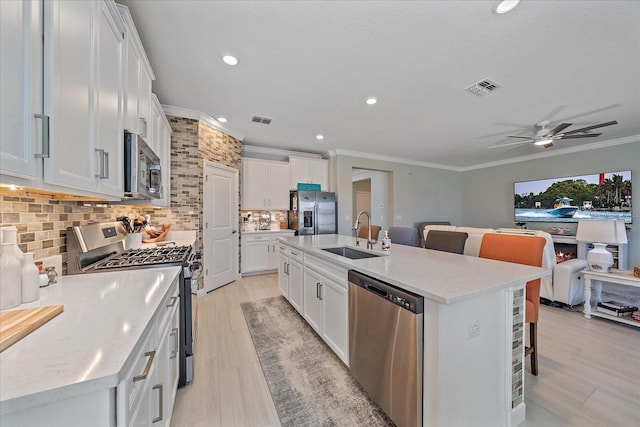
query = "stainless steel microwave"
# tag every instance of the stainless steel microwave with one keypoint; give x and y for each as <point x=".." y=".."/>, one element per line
<point x="142" y="173"/>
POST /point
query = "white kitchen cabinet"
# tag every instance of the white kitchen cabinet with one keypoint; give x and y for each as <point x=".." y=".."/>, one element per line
<point x="309" y="171"/>
<point x="265" y="184"/>
<point x="21" y="141"/>
<point x="160" y="143"/>
<point x="138" y="80"/>
<point x="326" y="303"/>
<point x="83" y="95"/>
<point x="259" y="251"/>
<point x="290" y="275"/>
<point x="146" y="395"/>
<point x="313" y="299"/>
<point x="73" y="76"/>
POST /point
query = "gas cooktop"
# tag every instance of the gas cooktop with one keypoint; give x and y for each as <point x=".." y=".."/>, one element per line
<point x="146" y="257"/>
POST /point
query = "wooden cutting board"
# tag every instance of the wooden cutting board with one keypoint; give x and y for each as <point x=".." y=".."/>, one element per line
<point x="17" y="324"/>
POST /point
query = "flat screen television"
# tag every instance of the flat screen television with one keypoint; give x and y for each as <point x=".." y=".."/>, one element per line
<point x="605" y="195"/>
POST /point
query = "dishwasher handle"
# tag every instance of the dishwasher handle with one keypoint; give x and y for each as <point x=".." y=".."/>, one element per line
<point x="368" y="286"/>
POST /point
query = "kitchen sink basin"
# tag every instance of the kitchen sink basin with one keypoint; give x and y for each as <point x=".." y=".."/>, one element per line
<point x="350" y="253"/>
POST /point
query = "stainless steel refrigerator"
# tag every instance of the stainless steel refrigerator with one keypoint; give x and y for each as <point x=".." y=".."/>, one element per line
<point x="312" y="212"/>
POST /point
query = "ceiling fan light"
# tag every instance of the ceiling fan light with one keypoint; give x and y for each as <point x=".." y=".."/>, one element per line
<point x="544" y="141"/>
<point x="506" y="6"/>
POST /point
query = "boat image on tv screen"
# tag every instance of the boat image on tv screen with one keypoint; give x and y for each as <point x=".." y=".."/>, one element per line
<point x="605" y="195"/>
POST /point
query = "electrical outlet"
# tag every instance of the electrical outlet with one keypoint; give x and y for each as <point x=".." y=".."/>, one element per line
<point x="473" y="329"/>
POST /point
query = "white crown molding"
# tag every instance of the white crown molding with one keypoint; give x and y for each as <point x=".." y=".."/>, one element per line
<point x="594" y="146"/>
<point x="340" y="152"/>
<point x="256" y="149"/>
<point x="172" y="110"/>
<point x="570" y="150"/>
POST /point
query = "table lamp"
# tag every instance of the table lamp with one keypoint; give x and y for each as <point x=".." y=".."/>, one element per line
<point x="601" y="233"/>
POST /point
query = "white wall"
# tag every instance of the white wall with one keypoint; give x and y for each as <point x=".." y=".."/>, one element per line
<point x="487" y="194"/>
<point x="418" y="193"/>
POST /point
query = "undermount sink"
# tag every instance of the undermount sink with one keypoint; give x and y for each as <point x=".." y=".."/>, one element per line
<point x="350" y="253"/>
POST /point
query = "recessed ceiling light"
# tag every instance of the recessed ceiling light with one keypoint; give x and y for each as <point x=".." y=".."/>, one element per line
<point x="230" y="60"/>
<point x="371" y="101"/>
<point x="319" y="137"/>
<point x="222" y="119"/>
<point x="506" y="6"/>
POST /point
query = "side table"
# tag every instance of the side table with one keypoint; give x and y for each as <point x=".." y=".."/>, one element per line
<point x="621" y="278"/>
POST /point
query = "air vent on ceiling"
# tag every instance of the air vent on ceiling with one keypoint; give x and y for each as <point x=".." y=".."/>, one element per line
<point x="258" y="119"/>
<point x="483" y="87"/>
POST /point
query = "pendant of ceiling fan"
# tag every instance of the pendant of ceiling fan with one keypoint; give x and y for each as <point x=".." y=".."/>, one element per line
<point x="545" y="137"/>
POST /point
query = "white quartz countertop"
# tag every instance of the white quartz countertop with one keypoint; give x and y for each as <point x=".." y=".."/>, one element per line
<point x="85" y="347"/>
<point x="440" y="276"/>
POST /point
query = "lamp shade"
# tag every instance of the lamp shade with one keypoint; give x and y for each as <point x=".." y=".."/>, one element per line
<point x="601" y="231"/>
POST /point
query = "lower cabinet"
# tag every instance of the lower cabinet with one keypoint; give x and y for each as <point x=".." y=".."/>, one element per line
<point x="146" y="395"/>
<point x="318" y="290"/>
<point x="326" y="304"/>
<point x="290" y="275"/>
<point x="259" y="251"/>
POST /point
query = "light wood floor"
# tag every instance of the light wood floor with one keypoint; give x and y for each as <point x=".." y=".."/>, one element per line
<point x="589" y="370"/>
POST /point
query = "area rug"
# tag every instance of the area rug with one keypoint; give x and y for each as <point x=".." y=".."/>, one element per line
<point x="308" y="383"/>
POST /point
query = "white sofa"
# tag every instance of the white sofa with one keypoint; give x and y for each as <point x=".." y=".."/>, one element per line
<point x="474" y="241"/>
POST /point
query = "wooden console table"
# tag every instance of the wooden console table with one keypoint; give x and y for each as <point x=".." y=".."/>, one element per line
<point x="620" y="278"/>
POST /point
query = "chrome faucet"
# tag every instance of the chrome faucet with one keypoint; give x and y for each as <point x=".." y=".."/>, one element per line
<point x="370" y="242"/>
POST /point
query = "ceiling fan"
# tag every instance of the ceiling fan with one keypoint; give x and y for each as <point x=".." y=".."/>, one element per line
<point x="544" y="137"/>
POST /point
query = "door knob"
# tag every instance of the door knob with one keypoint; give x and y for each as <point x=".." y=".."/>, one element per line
<point x="233" y="231"/>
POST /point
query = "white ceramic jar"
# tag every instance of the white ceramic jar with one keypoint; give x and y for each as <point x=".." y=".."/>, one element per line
<point x="30" y="279"/>
<point x="10" y="235"/>
<point x="11" y="268"/>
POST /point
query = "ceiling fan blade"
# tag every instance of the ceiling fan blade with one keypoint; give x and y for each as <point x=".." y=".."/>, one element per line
<point x="601" y="125"/>
<point x="586" y="135"/>
<point x="558" y="128"/>
<point x="508" y="144"/>
<point x="523" y="137"/>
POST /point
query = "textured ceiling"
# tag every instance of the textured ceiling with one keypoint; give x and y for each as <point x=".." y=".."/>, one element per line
<point x="309" y="65"/>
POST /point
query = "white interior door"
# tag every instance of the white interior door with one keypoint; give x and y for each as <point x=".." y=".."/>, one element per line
<point x="220" y="226"/>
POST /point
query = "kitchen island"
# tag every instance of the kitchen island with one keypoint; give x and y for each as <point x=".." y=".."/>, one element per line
<point x="473" y="357"/>
<point x="67" y="371"/>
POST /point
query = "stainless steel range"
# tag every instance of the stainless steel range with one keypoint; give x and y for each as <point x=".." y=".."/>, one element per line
<point x="101" y="247"/>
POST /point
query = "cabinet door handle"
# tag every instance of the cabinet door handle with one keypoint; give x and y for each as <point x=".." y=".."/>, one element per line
<point x="286" y="268"/>
<point x="320" y="293"/>
<point x="174" y="334"/>
<point x="143" y="126"/>
<point x="45" y="137"/>
<point x="151" y="355"/>
<point x="268" y="248"/>
<point x="104" y="164"/>
<point x="159" y="387"/>
<point x="318" y="290"/>
<point x="173" y="302"/>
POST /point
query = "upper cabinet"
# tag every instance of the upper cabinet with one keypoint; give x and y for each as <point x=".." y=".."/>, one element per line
<point x="310" y="171"/>
<point x="21" y="87"/>
<point x="66" y="134"/>
<point x="265" y="184"/>
<point x="74" y="76"/>
<point x="138" y="80"/>
<point x="160" y="142"/>
<point x="84" y="44"/>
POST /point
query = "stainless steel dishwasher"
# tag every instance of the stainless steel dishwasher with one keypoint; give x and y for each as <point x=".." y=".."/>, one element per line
<point x="385" y="346"/>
